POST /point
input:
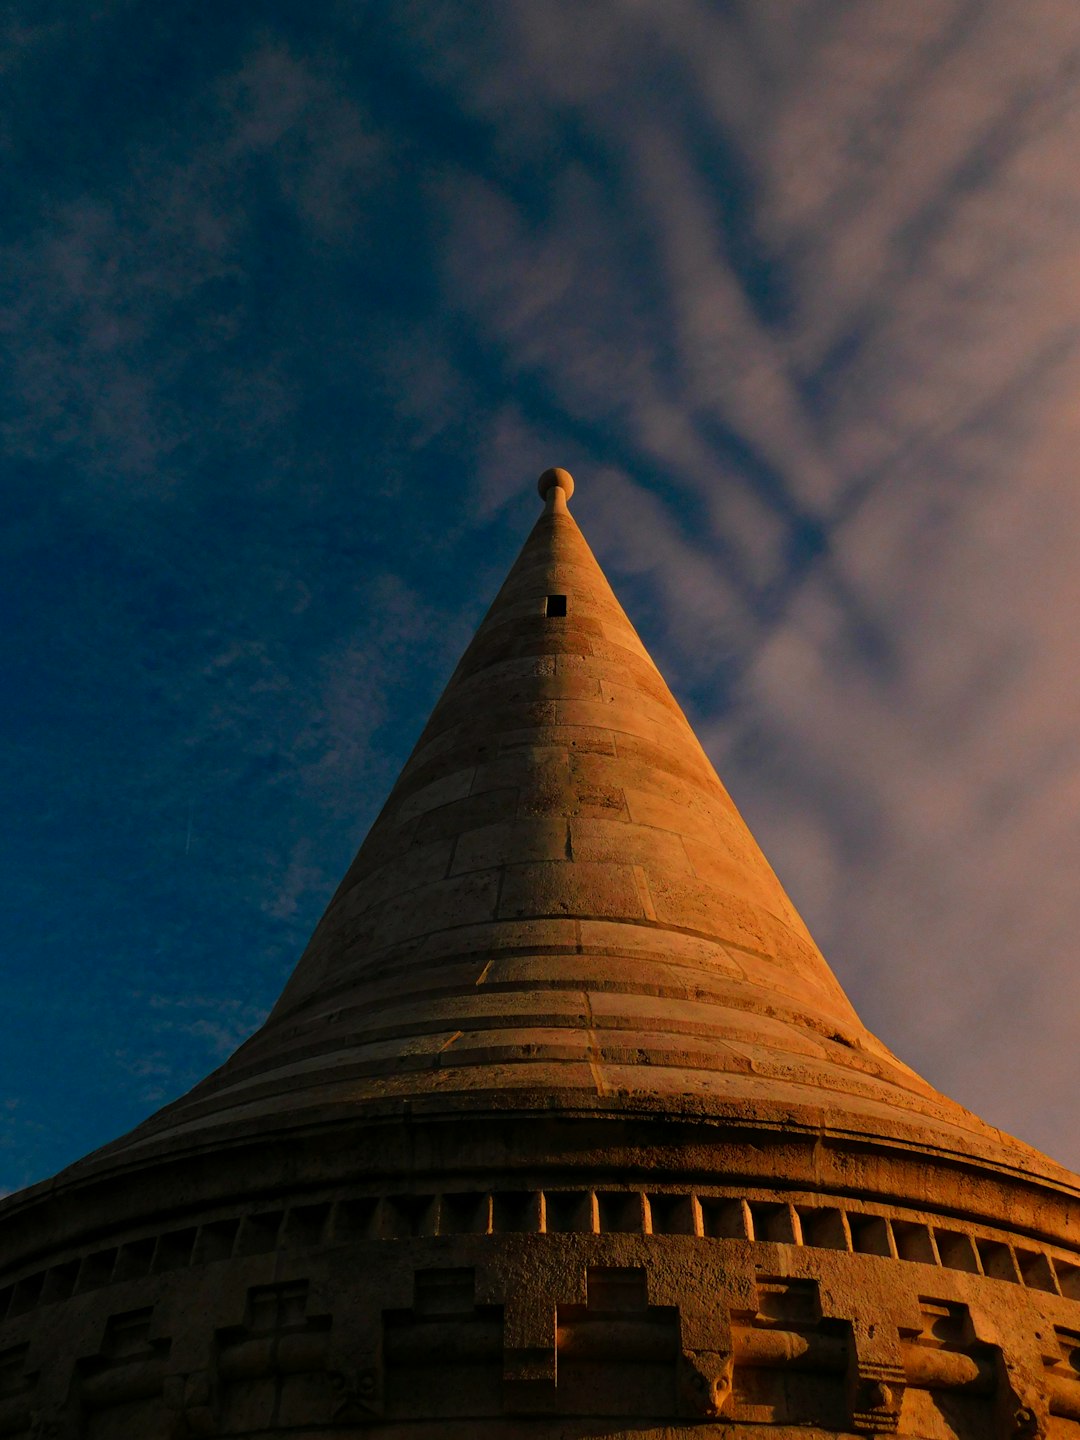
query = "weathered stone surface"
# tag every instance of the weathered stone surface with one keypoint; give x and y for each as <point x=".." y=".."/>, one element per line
<point x="563" y="1127"/>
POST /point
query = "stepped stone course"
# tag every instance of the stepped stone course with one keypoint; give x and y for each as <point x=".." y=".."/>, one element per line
<point x="562" y="1127"/>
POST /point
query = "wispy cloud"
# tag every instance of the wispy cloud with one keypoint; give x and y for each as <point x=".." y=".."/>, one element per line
<point x="124" y="295"/>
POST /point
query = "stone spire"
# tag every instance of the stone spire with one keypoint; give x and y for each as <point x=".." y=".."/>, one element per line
<point x="560" y="905"/>
<point x="562" y="1127"/>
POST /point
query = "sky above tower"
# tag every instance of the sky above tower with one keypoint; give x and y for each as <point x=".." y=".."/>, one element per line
<point x="297" y="301"/>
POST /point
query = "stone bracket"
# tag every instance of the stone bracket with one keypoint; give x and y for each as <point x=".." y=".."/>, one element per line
<point x="876" y="1378"/>
<point x="193" y="1399"/>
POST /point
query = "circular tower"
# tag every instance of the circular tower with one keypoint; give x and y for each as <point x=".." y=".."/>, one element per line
<point x="562" y="1128"/>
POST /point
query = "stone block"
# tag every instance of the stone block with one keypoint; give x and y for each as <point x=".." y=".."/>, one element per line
<point x="461" y="900"/>
<point x="561" y="888"/>
<point x="539" y="837"/>
<point x="455" y="786"/>
<point x="596" y="838"/>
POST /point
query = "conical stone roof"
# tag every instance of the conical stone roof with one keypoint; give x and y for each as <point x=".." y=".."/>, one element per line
<point x="560" y="907"/>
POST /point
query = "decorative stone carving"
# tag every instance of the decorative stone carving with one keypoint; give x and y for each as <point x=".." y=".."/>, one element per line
<point x="1023" y="1402"/>
<point x="877" y="1399"/>
<point x="705" y="1382"/>
<point x="54" y="1423"/>
<point x="193" y="1399"/>
<point x="357" y="1392"/>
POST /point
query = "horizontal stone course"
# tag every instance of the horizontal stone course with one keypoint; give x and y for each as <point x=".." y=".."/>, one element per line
<point x="760" y="1217"/>
<point x="418" y="1000"/>
<point x="583" y="739"/>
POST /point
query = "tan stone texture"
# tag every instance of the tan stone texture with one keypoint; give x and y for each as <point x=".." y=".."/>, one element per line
<point x="562" y="1127"/>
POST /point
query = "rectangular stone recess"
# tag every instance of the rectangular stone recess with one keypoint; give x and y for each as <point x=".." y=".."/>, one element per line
<point x="945" y="1324"/>
<point x="119" y="1386"/>
<point x="870" y="1235"/>
<point x="616" y="1288"/>
<point x="407" y="1215"/>
<point x="791" y="1302"/>
<point x="726" y="1219"/>
<point x="623" y="1214"/>
<point x="617" y="1354"/>
<point x="915" y="1242"/>
<point x="28" y="1293"/>
<point x="1036" y="1270"/>
<point x="571" y="1212"/>
<point x="444" y="1356"/>
<point x="127" y="1334"/>
<point x="776" y="1222"/>
<point x="1068" y="1278"/>
<point x="556" y="606"/>
<point x="96" y="1270"/>
<point x="674" y="1215"/>
<point x="259" y="1233"/>
<point x="444" y="1292"/>
<point x="304" y="1226"/>
<point x="173" y="1251"/>
<point x="957" y="1250"/>
<point x="825" y="1228"/>
<point x="998" y="1261"/>
<point x="467" y="1213"/>
<point x="272" y="1308"/>
<point x="215" y="1241"/>
<point x="356" y="1219"/>
<point x="60" y="1280"/>
<point x="134" y="1260"/>
<point x="515" y="1212"/>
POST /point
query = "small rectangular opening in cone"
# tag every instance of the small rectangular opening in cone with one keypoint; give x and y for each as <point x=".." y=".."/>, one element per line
<point x="556" y="605"/>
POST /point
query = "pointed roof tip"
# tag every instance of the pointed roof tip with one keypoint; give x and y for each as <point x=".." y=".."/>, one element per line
<point x="556" y="486"/>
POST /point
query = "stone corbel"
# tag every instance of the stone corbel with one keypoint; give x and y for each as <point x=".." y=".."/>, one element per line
<point x="530" y="1366"/>
<point x="53" y="1422"/>
<point x="357" y="1388"/>
<point x="354" y="1364"/>
<point x="1023" y="1405"/>
<point x="876" y="1378"/>
<point x="705" y="1383"/>
<point x="354" y="1359"/>
<point x="193" y="1401"/>
<point x="706" y="1363"/>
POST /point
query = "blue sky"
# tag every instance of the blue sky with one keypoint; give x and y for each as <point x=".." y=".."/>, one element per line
<point x="295" y="303"/>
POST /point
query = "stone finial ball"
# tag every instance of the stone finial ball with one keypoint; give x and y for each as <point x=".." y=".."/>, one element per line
<point x="555" y="476"/>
